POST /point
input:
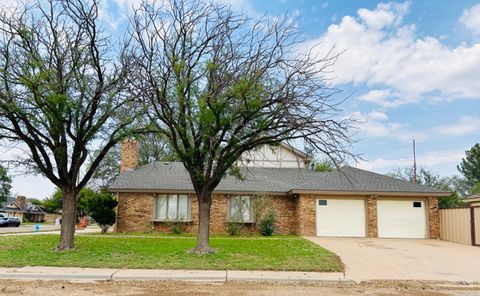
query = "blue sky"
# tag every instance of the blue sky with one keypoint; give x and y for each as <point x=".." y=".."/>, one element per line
<point x="412" y="69"/>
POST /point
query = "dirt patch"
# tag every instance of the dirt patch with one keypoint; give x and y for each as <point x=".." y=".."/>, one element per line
<point x="137" y="288"/>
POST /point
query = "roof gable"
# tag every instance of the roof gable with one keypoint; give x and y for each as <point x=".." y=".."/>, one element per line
<point x="282" y="155"/>
<point x="12" y="205"/>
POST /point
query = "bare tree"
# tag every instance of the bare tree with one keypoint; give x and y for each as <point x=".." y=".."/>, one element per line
<point x="61" y="94"/>
<point x="153" y="148"/>
<point x="218" y="84"/>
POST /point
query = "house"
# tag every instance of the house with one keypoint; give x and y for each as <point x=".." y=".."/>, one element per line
<point x="473" y="200"/>
<point x="19" y="207"/>
<point x="345" y="202"/>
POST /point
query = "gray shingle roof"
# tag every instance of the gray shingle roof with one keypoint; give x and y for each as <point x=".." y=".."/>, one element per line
<point x="161" y="176"/>
<point x="28" y="208"/>
<point x="356" y="180"/>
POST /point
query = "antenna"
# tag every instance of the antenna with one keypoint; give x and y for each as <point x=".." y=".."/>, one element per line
<point x="414" y="164"/>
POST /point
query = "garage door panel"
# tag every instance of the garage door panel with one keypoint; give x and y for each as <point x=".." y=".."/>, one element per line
<point x="401" y="219"/>
<point x="337" y="217"/>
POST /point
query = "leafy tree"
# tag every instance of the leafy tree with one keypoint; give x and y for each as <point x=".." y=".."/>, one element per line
<point x="54" y="203"/>
<point x="101" y="207"/>
<point x="470" y="165"/>
<point x="322" y="166"/>
<point x="476" y="188"/>
<point x="428" y="178"/>
<point x="461" y="186"/>
<point x="62" y="93"/>
<point x="216" y="85"/>
<point x="35" y="201"/>
<point x="5" y="185"/>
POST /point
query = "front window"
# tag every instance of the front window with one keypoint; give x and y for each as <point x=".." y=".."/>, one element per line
<point x="240" y="209"/>
<point x="172" y="207"/>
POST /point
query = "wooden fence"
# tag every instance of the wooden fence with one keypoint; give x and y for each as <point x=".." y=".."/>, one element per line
<point x="460" y="225"/>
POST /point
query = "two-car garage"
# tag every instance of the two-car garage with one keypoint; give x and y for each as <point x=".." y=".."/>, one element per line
<point x="396" y="218"/>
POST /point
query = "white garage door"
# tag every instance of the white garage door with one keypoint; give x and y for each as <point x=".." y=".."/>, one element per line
<point x="341" y="217"/>
<point x="401" y="218"/>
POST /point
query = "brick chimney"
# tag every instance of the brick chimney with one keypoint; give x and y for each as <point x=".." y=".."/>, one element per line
<point x="129" y="155"/>
<point x="21" y="201"/>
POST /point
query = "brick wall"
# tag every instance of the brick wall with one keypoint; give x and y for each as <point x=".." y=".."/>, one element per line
<point x="295" y="215"/>
<point x="372" y="224"/>
<point x="135" y="213"/>
<point x="306" y="217"/>
<point x="285" y="210"/>
<point x="433" y="218"/>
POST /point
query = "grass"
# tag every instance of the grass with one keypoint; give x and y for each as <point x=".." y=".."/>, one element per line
<point x="248" y="235"/>
<point x="257" y="253"/>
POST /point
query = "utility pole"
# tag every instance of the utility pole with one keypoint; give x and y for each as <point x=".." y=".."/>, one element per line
<point x="414" y="164"/>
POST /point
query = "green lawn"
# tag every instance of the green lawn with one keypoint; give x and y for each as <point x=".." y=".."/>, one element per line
<point x="249" y="253"/>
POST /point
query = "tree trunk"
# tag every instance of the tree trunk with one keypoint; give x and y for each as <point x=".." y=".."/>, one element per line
<point x="104" y="228"/>
<point x="69" y="217"/>
<point x="204" y="205"/>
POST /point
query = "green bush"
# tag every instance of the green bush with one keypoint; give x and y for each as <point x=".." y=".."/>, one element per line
<point x="267" y="225"/>
<point x="148" y="227"/>
<point x="176" y="226"/>
<point x="234" y="227"/>
<point x="101" y="207"/>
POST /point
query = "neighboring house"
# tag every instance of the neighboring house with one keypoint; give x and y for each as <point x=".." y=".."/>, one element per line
<point x="19" y="207"/>
<point x="473" y="200"/>
<point x="346" y="202"/>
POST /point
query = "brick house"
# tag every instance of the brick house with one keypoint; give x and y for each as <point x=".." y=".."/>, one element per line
<point x="346" y="202"/>
<point x="25" y="211"/>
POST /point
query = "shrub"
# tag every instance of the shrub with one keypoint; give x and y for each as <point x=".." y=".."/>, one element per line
<point x="265" y="218"/>
<point x="234" y="227"/>
<point x="176" y="226"/>
<point x="101" y="207"/>
<point x="148" y="227"/>
<point x="267" y="224"/>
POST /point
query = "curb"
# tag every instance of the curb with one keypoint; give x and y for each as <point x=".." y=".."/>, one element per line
<point x="213" y="276"/>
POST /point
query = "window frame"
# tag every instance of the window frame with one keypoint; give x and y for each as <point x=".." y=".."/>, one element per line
<point x="251" y="209"/>
<point x="167" y="197"/>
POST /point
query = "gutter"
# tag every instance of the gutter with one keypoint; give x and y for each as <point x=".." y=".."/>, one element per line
<point x="382" y="193"/>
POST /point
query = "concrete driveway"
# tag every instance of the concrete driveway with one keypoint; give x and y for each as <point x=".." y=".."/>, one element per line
<point x="404" y="259"/>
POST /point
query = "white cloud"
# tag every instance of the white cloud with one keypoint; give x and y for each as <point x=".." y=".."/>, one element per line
<point x="381" y="51"/>
<point x="471" y="18"/>
<point x="385" y="98"/>
<point x="32" y="186"/>
<point x="467" y="125"/>
<point x="443" y="162"/>
<point x="376" y="124"/>
<point x="384" y="15"/>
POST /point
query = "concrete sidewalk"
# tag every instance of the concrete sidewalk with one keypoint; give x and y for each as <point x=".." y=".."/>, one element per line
<point x="89" y="229"/>
<point x="83" y="274"/>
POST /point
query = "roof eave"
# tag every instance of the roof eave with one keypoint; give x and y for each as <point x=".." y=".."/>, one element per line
<point x="186" y="191"/>
<point x="382" y="193"/>
<point x="472" y="199"/>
